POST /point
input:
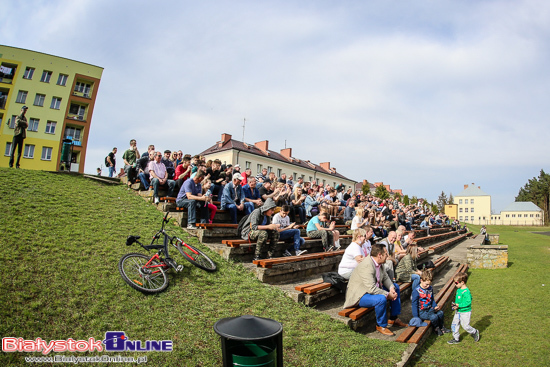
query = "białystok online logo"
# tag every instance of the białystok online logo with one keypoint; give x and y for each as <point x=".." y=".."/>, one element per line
<point x="115" y="341"/>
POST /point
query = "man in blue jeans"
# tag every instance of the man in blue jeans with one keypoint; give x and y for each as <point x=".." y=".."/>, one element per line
<point x="233" y="198"/>
<point x="370" y="286"/>
<point x="191" y="197"/>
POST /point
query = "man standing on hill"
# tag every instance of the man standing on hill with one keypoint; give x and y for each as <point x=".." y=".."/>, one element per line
<point x="130" y="157"/>
<point x="370" y="286"/>
<point x="19" y="135"/>
<point x="111" y="162"/>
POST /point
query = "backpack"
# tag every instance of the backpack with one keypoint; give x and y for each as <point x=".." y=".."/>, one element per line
<point x="241" y="224"/>
<point x="338" y="281"/>
<point x="106" y="161"/>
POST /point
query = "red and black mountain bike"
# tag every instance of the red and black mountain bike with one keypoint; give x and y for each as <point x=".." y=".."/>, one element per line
<point x="148" y="273"/>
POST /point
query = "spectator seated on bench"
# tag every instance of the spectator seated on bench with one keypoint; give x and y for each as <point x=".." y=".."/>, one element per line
<point x="233" y="198"/>
<point x="159" y="175"/>
<point x="169" y="164"/>
<point x="358" y="221"/>
<point x="206" y="191"/>
<point x="142" y="168"/>
<point x="218" y="180"/>
<point x="311" y="205"/>
<point x="357" y="251"/>
<point x="258" y="227"/>
<point x="191" y="197"/>
<point x="183" y="172"/>
<point x="370" y="286"/>
<point x="349" y="212"/>
<point x="297" y="205"/>
<point x="287" y="231"/>
<point x="319" y="227"/>
<point x="424" y="305"/>
<point x="406" y="270"/>
<point x="391" y="261"/>
<point x="251" y="193"/>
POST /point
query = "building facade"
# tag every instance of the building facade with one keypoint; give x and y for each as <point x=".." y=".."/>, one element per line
<point x="60" y="94"/>
<point x="474" y="205"/>
<point x="521" y="213"/>
<point x="451" y="210"/>
<point x="258" y="156"/>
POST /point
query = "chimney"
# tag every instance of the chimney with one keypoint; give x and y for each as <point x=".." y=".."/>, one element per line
<point x="479" y="187"/>
<point x="287" y="153"/>
<point x="376" y="184"/>
<point x="325" y="166"/>
<point x="387" y="187"/>
<point x="465" y="187"/>
<point x="225" y="138"/>
<point x="262" y="145"/>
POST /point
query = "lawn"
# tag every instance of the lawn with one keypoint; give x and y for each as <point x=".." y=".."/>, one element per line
<point x="61" y="239"/>
<point x="510" y="308"/>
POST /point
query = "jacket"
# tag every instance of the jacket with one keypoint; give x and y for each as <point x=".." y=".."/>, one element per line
<point x="363" y="281"/>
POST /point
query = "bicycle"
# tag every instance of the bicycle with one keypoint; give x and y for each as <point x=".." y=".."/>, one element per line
<point x="148" y="273"/>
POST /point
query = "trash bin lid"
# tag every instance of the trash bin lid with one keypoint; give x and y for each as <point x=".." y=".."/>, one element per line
<point x="247" y="327"/>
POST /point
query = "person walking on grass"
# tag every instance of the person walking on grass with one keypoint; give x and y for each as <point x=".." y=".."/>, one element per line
<point x="19" y="135"/>
<point x="463" y="307"/>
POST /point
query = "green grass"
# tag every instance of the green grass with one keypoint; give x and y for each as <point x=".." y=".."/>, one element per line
<point x="510" y="308"/>
<point x="61" y="239"/>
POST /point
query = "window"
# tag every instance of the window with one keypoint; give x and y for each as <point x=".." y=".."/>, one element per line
<point x="465" y="201"/>
<point x="28" y="151"/>
<point x="513" y="215"/>
<point x="460" y="201"/>
<point x="50" y="127"/>
<point x="460" y="210"/>
<point x="294" y="175"/>
<point x="259" y="168"/>
<point x="56" y="102"/>
<point x="471" y="210"/>
<point x="33" y="125"/>
<point x="466" y="218"/>
<point x="465" y="210"/>
<point x="269" y="169"/>
<point x="62" y="79"/>
<point x="7" y="152"/>
<point x="279" y="172"/>
<point x="29" y="72"/>
<point x="12" y="121"/>
<point x="247" y="165"/>
<point x="472" y="218"/>
<point x="507" y="215"/>
<point x="46" y="154"/>
<point x="46" y="75"/>
<point x="21" y="97"/>
<point x="471" y="201"/>
<point x="538" y="215"/>
<point x="310" y="178"/>
<point x="39" y="100"/>
<point x="531" y="215"/>
<point x="78" y="110"/>
<point x="72" y="133"/>
<point x="83" y="88"/>
<point x="460" y="218"/>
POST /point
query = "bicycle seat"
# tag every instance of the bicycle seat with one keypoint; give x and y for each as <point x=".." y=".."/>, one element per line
<point x="131" y="239"/>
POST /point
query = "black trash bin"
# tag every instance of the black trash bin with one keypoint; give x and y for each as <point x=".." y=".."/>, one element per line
<point x="251" y="341"/>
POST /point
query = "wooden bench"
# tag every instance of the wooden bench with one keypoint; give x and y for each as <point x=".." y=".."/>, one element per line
<point x="414" y="334"/>
<point x="237" y="243"/>
<point x="356" y="313"/>
<point x="268" y="263"/>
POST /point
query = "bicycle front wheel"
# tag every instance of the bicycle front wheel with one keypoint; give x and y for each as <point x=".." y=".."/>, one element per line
<point x="146" y="278"/>
<point x="195" y="256"/>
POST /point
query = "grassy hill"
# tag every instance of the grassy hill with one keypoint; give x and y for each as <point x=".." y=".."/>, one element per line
<point x="61" y="239"/>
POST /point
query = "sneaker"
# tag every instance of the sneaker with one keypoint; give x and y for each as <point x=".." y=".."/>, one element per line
<point x="476" y="336"/>
<point x="330" y="249"/>
<point x="156" y="200"/>
<point x="439" y="331"/>
<point x="191" y="226"/>
<point x="337" y="247"/>
<point x="453" y="341"/>
<point x="300" y="252"/>
<point x="287" y="253"/>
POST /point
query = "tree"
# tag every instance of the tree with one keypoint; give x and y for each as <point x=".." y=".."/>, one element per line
<point x="451" y="199"/>
<point x="537" y="191"/>
<point x="406" y="200"/>
<point x="414" y="200"/>
<point x="435" y="210"/>
<point x="441" y="202"/>
<point x="381" y="192"/>
<point x="366" y="187"/>
<point x="397" y="196"/>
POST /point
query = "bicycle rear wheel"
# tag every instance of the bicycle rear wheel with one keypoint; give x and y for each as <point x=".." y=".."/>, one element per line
<point x="195" y="256"/>
<point x="147" y="279"/>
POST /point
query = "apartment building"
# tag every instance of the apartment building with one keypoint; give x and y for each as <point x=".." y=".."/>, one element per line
<point x="60" y="94"/>
<point x="474" y="205"/>
<point x="258" y="156"/>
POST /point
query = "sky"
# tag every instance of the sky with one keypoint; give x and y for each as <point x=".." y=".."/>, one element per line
<point x="425" y="96"/>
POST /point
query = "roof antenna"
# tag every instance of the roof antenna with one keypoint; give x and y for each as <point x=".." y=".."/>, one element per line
<point x="244" y="123"/>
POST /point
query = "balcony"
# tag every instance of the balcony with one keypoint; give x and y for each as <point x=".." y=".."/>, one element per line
<point x="82" y="94"/>
<point x="72" y="116"/>
<point x="7" y="71"/>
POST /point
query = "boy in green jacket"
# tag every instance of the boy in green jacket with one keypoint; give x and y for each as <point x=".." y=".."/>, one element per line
<point x="463" y="307"/>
